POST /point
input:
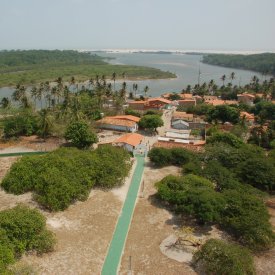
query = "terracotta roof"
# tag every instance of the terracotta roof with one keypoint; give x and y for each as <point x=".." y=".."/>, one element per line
<point x="138" y="102"/>
<point x="210" y="97"/>
<point x="127" y="117"/>
<point x="116" y="121"/>
<point x="163" y="100"/>
<point x="182" y="115"/>
<point x="247" y="115"/>
<point x="216" y="102"/>
<point x="186" y="100"/>
<point x="246" y="95"/>
<point x="186" y="96"/>
<point x="131" y="139"/>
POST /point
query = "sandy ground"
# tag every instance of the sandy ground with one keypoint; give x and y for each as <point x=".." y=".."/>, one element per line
<point x="31" y="143"/>
<point x="265" y="262"/>
<point x="150" y="226"/>
<point x="83" y="231"/>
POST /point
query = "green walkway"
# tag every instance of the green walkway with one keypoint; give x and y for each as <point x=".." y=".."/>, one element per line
<point x="23" y="154"/>
<point x="113" y="257"/>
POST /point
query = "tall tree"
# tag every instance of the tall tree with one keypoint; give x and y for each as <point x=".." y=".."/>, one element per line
<point x="223" y="79"/>
<point x="114" y="79"/>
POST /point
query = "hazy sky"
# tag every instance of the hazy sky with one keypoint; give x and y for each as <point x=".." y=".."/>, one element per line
<point x="144" y="24"/>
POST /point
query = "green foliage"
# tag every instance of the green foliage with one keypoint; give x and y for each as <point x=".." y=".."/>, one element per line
<point x="175" y="156"/>
<point x="258" y="172"/>
<point x="247" y="218"/>
<point x="263" y="63"/>
<point x="160" y="156"/>
<point x="151" y="122"/>
<point x="193" y="195"/>
<point x="66" y="175"/>
<point x="265" y="110"/>
<point x="112" y="166"/>
<point x="132" y="112"/>
<point x="24" y="123"/>
<point x="153" y="112"/>
<point x="6" y="257"/>
<point x="219" y="257"/>
<point x="39" y="65"/>
<point x="25" y="228"/>
<point x="79" y="134"/>
<point x="223" y="113"/>
<point x="199" y="109"/>
<point x="227" y="138"/>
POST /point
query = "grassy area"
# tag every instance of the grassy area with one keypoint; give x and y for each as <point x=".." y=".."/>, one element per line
<point x="28" y="67"/>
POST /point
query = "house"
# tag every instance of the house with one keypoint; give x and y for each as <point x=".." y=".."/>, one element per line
<point x="181" y="134"/>
<point x="185" y="103"/>
<point x="130" y="142"/>
<point x="180" y="124"/>
<point x="182" y="115"/>
<point x="209" y="98"/>
<point x="125" y="123"/>
<point x="247" y="99"/>
<point x="157" y="103"/>
<point x="249" y="118"/>
<point x="216" y="102"/>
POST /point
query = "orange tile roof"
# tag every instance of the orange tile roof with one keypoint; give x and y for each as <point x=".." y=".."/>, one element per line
<point x="163" y="100"/>
<point x="186" y="100"/>
<point x="116" y="121"/>
<point x="182" y="115"/>
<point x="246" y="95"/>
<point x="138" y="102"/>
<point x="247" y="115"/>
<point x="131" y="139"/>
<point x="186" y="96"/>
<point x="127" y="117"/>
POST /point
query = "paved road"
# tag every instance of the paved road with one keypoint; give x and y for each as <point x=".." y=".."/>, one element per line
<point x="113" y="258"/>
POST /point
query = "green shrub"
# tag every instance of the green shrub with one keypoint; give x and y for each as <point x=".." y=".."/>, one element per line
<point x="160" y="156"/>
<point x="132" y="112"/>
<point x="246" y="217"/>
<point x="150" y="122"/>
<point x="23" y="227"/>
<point x="20" y="124"/>
<point x="193" y="195"/>
<point x="219" y="257"/>
<point x="66" y="175"/>
<point x="227" y="138"/>
<point x="6" y="257"/>
<point x="79" y="134"/>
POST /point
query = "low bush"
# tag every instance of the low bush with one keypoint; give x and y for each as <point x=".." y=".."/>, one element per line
<point x="22" y="229"/>
<point x="66" y="175"/>
<point x="175" y="156"/>
<point x="219" y="257"/>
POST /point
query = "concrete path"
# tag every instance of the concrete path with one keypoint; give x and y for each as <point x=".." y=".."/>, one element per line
<point x="113" y="258"/>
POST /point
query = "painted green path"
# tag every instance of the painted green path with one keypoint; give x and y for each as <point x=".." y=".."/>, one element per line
<point x="113" y="257"/>
<point x="23" y="154"/>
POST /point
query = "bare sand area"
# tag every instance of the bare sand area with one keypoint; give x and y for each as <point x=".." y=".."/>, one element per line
<point x="150" y="226"/>
<point x="83" y="231"/>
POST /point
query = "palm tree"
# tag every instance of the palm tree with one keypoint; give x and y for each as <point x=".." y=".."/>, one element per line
<point x="223" y="79"/>
<point x="45" y="122"/>
<point x="232" y="77"/>
<point x="34" y="94"/>
<point x="40" y="93"/>
<point x="146" y="89"/>
<point x="114" y="79"/>
<point x="135" y="88"/>
<point x="19" y="93"/>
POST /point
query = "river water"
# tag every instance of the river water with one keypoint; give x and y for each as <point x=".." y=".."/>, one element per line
<point x="186" y="67"/>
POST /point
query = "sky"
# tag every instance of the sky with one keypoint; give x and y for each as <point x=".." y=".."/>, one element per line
<point x="139" y="24"/>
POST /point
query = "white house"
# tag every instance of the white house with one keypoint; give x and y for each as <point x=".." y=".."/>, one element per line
<point x="130" y="141"/>
<point x="180" y="124"/>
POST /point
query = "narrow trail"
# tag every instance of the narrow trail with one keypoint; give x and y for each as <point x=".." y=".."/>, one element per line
<point x="113" y="258"/>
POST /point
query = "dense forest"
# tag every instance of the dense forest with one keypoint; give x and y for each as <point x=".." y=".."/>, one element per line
<point x="32" y="66"/>
<point x="263" y="63"/>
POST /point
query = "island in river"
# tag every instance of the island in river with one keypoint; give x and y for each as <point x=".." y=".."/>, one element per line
<point x="34" y="66"/>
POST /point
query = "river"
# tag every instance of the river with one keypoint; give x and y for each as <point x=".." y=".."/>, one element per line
<point x="185" y="66"/>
